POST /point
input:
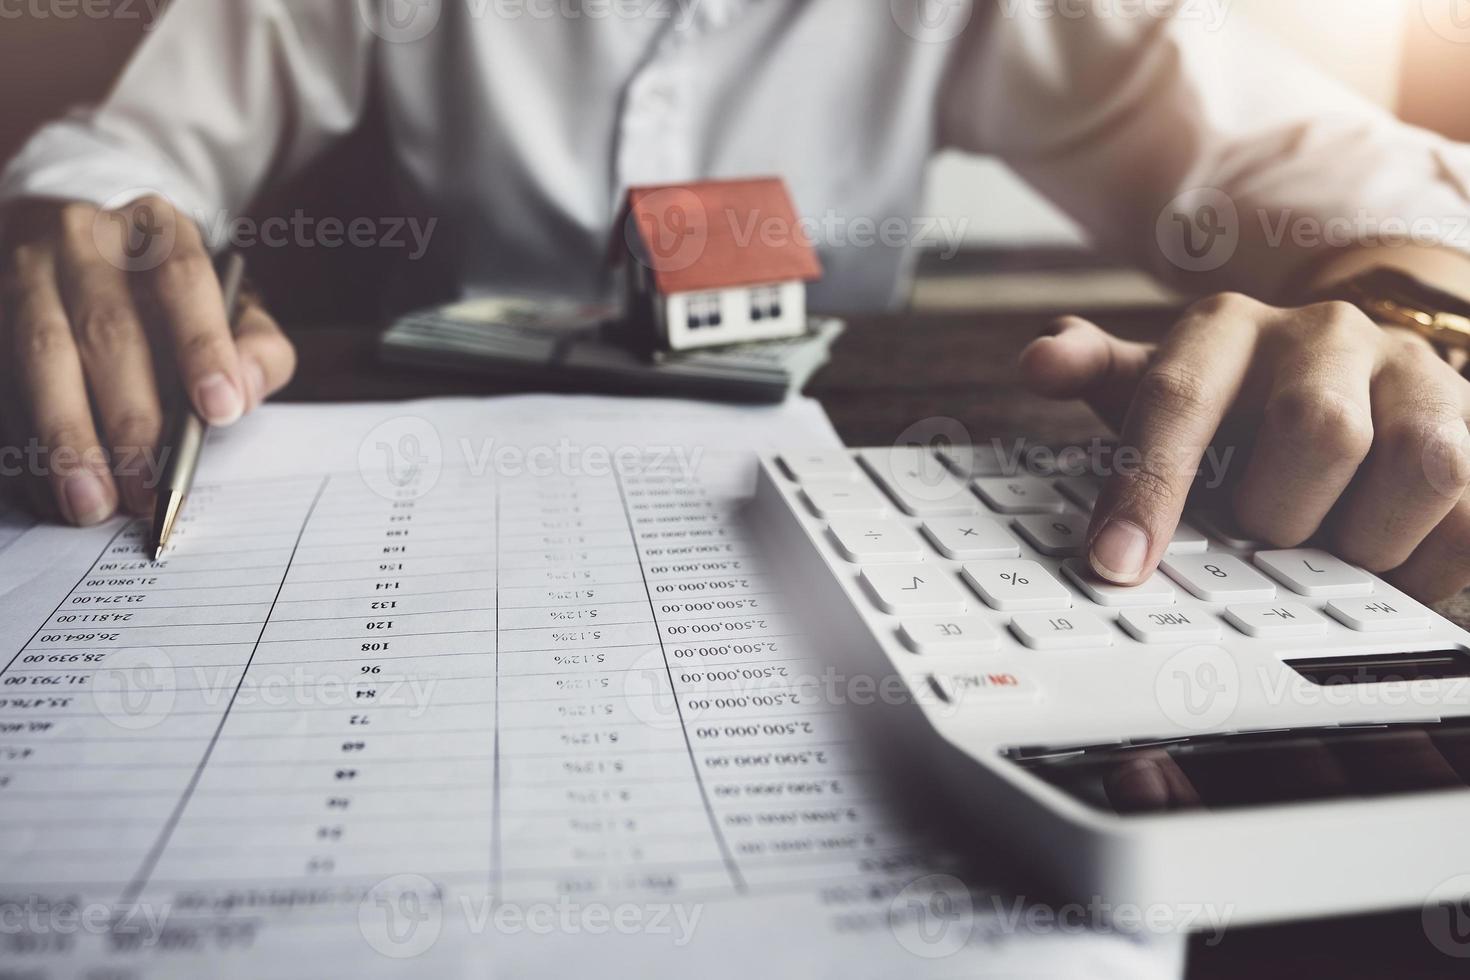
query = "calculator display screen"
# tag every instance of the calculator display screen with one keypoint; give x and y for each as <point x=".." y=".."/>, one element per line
<point x="1228" y="771"/>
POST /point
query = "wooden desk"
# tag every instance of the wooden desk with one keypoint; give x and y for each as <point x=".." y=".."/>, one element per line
<point x="885" y="374"/>
<point x="888" y="373"/>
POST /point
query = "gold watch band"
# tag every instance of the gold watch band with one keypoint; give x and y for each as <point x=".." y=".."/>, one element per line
<point x="1397" y="299"/>
<point x="1441" y="329"/>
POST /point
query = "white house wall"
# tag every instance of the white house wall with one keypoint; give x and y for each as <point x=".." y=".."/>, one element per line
<point x="736" y="325"/>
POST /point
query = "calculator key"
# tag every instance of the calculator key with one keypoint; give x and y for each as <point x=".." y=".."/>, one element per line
<point x="966" y="538"/>
<point x="1154" y="591"/>
<point x="1061" y="631"/>
<point x="1223" y="529"/>
<point x="948" y="634"/>
<point x="918" y="481"/>
<point x="1012" y="586"/>
<point x="1219" y="578"/>
<point x="1384" y="613"/>
<point x="1081" y="490"/>
<point x="875" y="539"/>
<point x="829" y="498"/>
<point x="917" y="589"/>
<point x="1187" y="540"/>
<point x="987" y="687"/>
<point x="1309" y="572"/>
<point x="1022" y="494"/>
<point x="805" y="467"/>
<point x="971" y="461"/>
<point x="1055" y="535"/>
<point x="1170" y="625"/>
<point x="1275" y="620"/>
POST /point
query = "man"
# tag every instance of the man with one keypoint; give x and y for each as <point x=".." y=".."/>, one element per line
<point x="520" y="122"/>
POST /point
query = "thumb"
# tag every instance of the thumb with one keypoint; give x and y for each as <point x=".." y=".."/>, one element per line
<point x="1078" y="359"/>
<point x="267" y="358"/>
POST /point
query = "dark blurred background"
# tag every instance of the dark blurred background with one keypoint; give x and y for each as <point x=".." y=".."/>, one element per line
<point x="52" y="63"/>
<point x="1412" y="55"/>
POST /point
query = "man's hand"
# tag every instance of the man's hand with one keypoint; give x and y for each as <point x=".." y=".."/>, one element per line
<point x="1343" y="427"/>
<point x="103" y="316"/>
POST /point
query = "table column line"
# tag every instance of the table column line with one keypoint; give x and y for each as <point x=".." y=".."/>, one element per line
<point x="496" y="855"/>
<point x="70" y="592"/>
<point x="736" y="878"/>
<point x="155" y="853"/>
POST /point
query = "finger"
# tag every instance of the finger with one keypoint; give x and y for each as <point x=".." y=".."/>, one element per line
<point x="267" y="358"/>
<point x="1078" y="359"/>
<point x="1418" y="467"/>
<point x="1302" y="769"/>
<point x="186" y="293"/>
<point x="20" y="488"/>
<point x="24" y="486"/>
<point x="1440" y="567"/>
<point x="1316" y="426"/>
<point x="1454" y="746"/>
<point x="1394" y="762"/>
<point x="115" y="355"/>
<point x="1177" y="407"/>
<point x="54" y="393"/>
<point x="1149" y="781"/>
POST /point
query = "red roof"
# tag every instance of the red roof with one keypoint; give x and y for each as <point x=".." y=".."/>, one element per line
<point x="718" y="234"/>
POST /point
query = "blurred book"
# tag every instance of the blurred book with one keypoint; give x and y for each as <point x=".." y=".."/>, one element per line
<point x="1026" y="280"/>
<point x="565" y="343"/>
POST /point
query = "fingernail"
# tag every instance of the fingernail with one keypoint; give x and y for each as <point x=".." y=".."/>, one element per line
<point x="1139" y="785"/>
<point x="255" y="381"/>
<point x="1118" y="553"/>
<point x="219" y="400"/>
<point x="86" y="499"/>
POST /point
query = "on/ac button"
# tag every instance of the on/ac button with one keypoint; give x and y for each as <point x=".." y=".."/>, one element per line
<point x="967" y="687"/>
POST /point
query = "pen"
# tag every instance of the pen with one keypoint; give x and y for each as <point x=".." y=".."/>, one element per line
<point x="187" y="437"/>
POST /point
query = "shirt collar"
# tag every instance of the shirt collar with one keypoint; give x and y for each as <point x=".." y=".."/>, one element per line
<point x="712" y="15"/>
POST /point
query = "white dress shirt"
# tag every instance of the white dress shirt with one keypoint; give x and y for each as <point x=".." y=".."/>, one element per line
<point x="519" y="123"/>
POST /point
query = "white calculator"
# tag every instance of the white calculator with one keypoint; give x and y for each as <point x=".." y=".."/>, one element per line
<point x="1272" y="733"/>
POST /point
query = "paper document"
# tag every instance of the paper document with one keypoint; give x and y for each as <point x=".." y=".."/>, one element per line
<point x="467" y="687"/>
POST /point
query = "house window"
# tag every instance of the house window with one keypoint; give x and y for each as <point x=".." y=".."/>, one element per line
<point x="704" y="311"/>
<point x="765" y="303"/>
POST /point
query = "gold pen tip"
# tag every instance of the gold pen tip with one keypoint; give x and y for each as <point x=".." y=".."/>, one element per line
<point x="167" y="511"/>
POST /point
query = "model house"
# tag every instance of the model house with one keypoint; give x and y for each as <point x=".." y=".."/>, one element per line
<point x="716" y="262"/>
